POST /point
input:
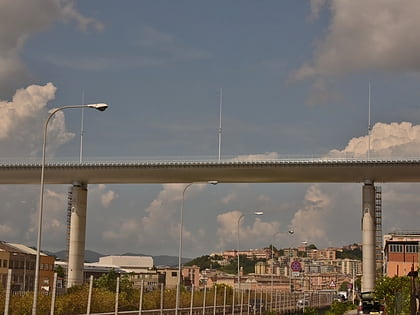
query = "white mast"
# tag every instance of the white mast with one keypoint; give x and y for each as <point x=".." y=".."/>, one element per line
<point x="82" y="128"/>
<point x="369" y="127"/>
<point x="220" y="122"/>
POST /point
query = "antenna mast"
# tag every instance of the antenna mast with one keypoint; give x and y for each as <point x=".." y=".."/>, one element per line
<point x="220" y="122"/>
<point x="369" y="127"/>
<point x="82" y="131"/>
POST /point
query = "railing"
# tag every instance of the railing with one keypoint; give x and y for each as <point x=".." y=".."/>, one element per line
<point x="210" y="301"/>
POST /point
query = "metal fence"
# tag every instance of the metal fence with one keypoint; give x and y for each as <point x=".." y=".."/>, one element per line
<point x="218" y="300"/>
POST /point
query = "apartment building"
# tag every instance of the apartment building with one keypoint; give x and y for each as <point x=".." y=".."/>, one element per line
<point x="401" y="251"/>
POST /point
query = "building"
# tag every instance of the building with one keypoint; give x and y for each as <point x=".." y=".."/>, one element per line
<point x="262" y="253"/>
<point x="21" y="259"/>
<point x="140" y="269"/>
<point x="191" y="276"/>
<point x="169" y="276"/>
<point x="401" y="252"/>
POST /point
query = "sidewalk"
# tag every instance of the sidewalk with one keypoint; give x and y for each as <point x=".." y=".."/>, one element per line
<point x="352" y="312"/>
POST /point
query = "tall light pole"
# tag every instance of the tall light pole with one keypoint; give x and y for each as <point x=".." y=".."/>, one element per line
<point x="272" y="267"/>
<point x="101" y="107"/>
<point x="239" y="267"/>
<point x="178" y="287"/>
<point x="291" y="232"/>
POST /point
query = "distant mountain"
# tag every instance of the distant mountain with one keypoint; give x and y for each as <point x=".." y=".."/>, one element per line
<point x="92" y="256"/>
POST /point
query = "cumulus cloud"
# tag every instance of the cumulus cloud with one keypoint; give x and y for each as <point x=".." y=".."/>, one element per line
<point x="105" y="195"/>
<point x="367" y="35"/>
<point x="26" y="103"/>
<point x="19" y="20"/>
<point x="160" y="222"/>
<point x="309" y="222"/>
<point x="394" y="140"/>
<point x="331" y="213"/>
<point x="256" y="157"/>
<point x="251" y="235"/>
<point x="362" y="36"/>
<point x="29" y="108"/>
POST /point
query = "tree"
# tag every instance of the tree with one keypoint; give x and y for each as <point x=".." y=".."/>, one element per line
<point x="108" y="281"/>
<point x="204" y="262"/>
<point x="395" y="292"/>
<point x="60" y="272"/>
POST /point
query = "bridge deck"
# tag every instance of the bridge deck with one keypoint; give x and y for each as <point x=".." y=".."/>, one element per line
<point x="270" y="171"/>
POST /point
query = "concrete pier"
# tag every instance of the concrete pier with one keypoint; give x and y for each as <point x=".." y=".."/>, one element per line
<point x="77" y="235"/>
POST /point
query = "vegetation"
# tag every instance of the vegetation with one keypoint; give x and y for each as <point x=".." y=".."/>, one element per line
<point x="350" y="253"/>
<point x="339" y="308"/>
<point x="205" y="262"/>
<point x="395" y="292"/>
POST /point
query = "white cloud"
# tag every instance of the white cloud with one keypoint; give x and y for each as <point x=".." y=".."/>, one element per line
<point x="28" y="108"/>
<point x="254" y="235"/>
<point x="106" y="196"/>
<point x="309" y="222"/>
<point x="19" y="20"/>
<point x="26" y="103"/>
<point x="367" y="35"/>
<point x="159" y="224"/>
<point x="394" y="140"/>
<point x="255" y="157"/>
<point x="331" y="213"/>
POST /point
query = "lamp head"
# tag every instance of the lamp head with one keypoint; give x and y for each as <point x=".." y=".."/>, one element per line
<point x="212" y="182"/>
<point x="100" y="106"/>
<point x="258" y="212"/>
<point x="291" y="232"/>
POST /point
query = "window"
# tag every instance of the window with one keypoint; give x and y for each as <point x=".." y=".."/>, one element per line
<point x="5" y="263"/>
<point x="396" y="248"/>
<point x="412" y="248"/>
<point x="174" y="273"/>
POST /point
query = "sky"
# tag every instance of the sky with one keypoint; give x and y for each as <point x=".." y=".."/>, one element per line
<point x="294" y="77"/>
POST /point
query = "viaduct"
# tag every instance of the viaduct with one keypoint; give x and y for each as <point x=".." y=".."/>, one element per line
<point x="80" y="175"/>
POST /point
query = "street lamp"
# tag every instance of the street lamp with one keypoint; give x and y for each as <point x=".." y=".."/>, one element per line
<point x="178" y="287"/>
<point x="272" y="268"/>
<point x="291" y="232"/>
<point x="101" y="107"/>
<point x="239" y="220"/>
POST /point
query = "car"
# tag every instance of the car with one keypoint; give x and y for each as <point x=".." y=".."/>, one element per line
<point x="302" y="303"/>
<point x="370" y="305"/>
<point x="256" y="306"/>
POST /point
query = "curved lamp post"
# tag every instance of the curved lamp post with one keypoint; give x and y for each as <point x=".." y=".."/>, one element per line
<point x="101" y="107"/>
<point x="178" y="287"/>
<point x="239" y="268"/>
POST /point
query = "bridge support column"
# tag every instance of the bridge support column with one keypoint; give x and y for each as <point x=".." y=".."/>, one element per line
<point x="76" y="255"/>
<point x="368" y="237"/>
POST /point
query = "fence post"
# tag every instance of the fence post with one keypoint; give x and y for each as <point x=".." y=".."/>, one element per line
<point x="54" y="291"/>
<point x="90" y="295"/>
<point x="255" y="301"/>
<point x="233" y="301"/>
<point x="214" y="300"/>
<point x="204" y="299"/>
<point x="8" y="288"/>
<point x="161" y="299"/>
<point x="141" y="297"/>
<point x="192" y="300"/>
<point x="248" y="300"/>
<point x="224" y="301"/>
<point x="117" y="291"/>
<point x="242" y="301"/>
